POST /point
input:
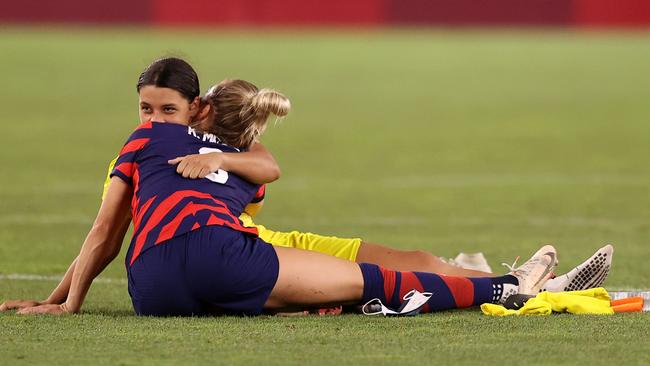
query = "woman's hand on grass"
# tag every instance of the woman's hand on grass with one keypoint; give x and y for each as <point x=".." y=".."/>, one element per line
<point x="197" y="165"/>
<point x="55" y="309"/>
<point x="18" y="304"/>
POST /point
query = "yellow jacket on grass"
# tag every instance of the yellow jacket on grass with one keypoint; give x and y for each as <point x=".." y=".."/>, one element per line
<point x="592" y="301"/>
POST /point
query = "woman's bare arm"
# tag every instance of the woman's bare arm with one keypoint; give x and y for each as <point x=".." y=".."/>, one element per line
<point x="101" y="246"/>
<point x="60" y="293"/>
<point x="256" y="165"/>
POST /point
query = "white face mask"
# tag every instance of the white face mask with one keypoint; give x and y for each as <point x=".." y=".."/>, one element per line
<point x="414" y="300"/>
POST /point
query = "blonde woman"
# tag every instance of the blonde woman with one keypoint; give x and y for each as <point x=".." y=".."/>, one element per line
<point x="190" y="255"/>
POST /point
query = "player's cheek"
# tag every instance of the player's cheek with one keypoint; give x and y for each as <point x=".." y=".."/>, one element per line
<point x="144" y="117"/>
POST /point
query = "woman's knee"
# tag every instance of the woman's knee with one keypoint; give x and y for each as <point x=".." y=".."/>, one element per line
<point x="425" y="261"/>
<point x="302" y="279"/>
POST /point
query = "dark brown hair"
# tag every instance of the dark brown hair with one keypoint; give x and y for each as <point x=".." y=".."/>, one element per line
<point x="173" y="73"/>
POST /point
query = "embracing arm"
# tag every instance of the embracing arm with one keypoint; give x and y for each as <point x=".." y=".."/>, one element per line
<point x="256" y="165"/>
<point x="101" y="246"/>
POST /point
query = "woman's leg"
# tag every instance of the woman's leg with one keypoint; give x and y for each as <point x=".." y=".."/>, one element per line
<point x="416" y="260"/>
<point x="314" y="279"/>
<point x="311" y="279"/>
<point x="362" y="252"/>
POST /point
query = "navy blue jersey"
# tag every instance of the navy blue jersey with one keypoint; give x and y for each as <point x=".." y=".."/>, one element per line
<point x="165" y="204"/>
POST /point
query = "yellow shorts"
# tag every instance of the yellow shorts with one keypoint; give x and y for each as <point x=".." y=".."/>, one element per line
<point x="330" y="245"/>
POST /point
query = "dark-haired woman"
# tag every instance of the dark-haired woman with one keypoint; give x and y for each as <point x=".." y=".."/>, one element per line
<point x="258" y="166"/>
<point x="191" y="256"/>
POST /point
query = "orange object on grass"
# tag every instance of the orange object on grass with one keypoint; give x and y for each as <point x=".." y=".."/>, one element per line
<point x="627" y="305"/>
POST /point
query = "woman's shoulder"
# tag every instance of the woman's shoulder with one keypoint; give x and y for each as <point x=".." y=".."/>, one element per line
<point x="179" y="134"/>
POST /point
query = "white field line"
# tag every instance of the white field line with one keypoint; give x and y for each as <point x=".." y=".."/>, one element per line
<point x="36" y="277"/>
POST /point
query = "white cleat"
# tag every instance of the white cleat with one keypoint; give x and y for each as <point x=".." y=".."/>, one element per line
<point x="591" y="273"/>
<point x="534" y="273"/>
<point x="473" y="261"/>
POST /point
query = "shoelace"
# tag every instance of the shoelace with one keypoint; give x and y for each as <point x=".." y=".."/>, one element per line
<point x="511" y="267"/>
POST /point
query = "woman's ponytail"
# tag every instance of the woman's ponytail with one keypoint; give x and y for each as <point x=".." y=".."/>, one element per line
<point x="241" y="111"/>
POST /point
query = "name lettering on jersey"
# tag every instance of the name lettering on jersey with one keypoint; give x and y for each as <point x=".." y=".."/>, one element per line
<point x="204" y="137"/>
<point x="191" y="131"/>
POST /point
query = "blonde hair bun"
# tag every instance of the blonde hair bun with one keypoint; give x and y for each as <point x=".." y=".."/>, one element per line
<point x="267" y="101"/>
<point x="241" y="111"/>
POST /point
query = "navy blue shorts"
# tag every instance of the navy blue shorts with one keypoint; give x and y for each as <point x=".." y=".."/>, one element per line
<point x="211" y="270"/>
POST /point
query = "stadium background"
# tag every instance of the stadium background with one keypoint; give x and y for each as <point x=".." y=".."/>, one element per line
<point x="578" y="13"/>
<point x="438" y="125"/>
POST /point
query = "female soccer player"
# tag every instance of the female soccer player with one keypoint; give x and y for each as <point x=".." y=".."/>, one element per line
<point x="190" y="255"/>
<point x="257" y="165"/>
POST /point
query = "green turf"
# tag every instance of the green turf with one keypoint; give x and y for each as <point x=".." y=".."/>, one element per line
<point x="474" y="141"/>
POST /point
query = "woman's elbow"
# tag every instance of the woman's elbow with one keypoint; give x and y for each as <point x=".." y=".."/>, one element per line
<point x="267" y="173"/>
<point x="274" y="174"/>
<point x="102" y="239"/>
<point x="103" y="232"/>
<point x="100" y="230"/>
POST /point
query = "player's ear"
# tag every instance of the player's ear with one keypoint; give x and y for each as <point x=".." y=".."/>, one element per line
<point x="195" y="107"/>
<point x="203" y="111"/>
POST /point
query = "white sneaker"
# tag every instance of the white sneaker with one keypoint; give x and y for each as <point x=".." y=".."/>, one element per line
<point x="534" y="273"/>
<point x="473" y="261"/>
<point x="591" y="273"/>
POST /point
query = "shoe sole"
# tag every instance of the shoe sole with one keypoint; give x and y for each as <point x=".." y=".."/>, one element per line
<point x="592" y="275"/>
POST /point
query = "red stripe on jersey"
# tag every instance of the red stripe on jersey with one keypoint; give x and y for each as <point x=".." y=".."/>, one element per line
<point x="148" y="124"/>
<point x="136" y="178"/>
<point x="409" y="282"/>
<point x="126" y="169"/>
<point x="196" y="226"/>
<point x="134" y="145"/>
<point x="462" y="289"/>
<point x="260" y="192"/>
<point x="135" y="201"/>
<point x="159" y="213"/>
<point x="168" y="231"/>
<point x="137" y="218"/>
<point x="213" y="220"/>
<point x="389" y="282"/>
<point x="169" y="204"/>
<point x="227" y="210"/>
<point x="237" y="226"/>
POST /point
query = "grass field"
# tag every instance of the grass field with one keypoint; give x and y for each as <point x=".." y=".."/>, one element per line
<point x="475" y="141"/>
